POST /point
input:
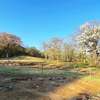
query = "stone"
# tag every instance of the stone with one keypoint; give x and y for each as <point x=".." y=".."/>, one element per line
<point x="84" y="95"/>
<point x="59" y="78"/>
<point x="1" y="88"/>
<point x="54" y="78"/>
<point x="41" y="79"/>
<point x="55" y="84"/>
<point x="9" y="88"/>
<point x="75" y="98"/>
<point x="29" y="78"/>
<point x="85" y="98"/>
<point x="1" y="85"/>
<point x="14" y="80"/>
<point x="50" y="78"/>
<point x="35" y="87"/>
<point x="7" y="80"/>
<point x="62" y="81"/>
<point x="23" y="78"/>
<point x="34" y="79"/>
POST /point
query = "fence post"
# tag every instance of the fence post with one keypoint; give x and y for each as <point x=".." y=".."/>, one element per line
<point x="20" y="67"/>
<point x="42" y="69"/>
<point x="28" y="70"/>
<point x="13" y="70"/>
<point x="54" y="70"/>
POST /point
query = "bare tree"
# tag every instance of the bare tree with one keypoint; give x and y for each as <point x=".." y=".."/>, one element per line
<point x="45" y="48"/>
<point x="52" y="48"/>
<point x="68" y="52"/>
<point x="56" y="46"/>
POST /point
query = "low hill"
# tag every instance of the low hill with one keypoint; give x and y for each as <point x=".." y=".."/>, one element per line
<point x="24" y="58"/>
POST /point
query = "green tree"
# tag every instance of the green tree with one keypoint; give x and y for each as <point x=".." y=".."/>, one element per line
<point x="7" y="41"/>
<point x="32" y="51"/>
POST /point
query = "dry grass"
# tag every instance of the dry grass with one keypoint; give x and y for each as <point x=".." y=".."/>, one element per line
<point x="24" y="59"/>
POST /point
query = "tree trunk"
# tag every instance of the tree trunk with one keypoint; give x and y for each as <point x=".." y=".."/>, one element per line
<point x="84" y="60"/>
<point x="94" y="53"/>
<point x="45" y="57"/>
<point x="65" y="58"/>
<point x="58" y="58"/>
<point x="7" y="51"/>
<point x="94" y="57"/>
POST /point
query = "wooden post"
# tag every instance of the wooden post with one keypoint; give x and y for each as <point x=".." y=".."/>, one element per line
<point x="54" y="70"/>
<point x="28" y="70"/>
<point x="13" y="70"/>
<point x="42" y="69"/>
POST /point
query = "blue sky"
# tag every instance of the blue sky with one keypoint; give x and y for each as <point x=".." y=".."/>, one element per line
<point x="37" y="20"/>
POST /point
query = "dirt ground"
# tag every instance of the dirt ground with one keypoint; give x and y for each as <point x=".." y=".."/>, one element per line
<point x="41" y="88"/>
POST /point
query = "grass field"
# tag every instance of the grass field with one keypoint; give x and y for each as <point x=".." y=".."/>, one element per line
<point x="40" y="71"/>
<point x="77" y="81"/>
<point x="28" y="70"/>
<point x="23" y="59"/>
<point x="50" y="70"/>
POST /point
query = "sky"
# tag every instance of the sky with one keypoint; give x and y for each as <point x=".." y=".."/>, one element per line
<point x="37" y="20"/>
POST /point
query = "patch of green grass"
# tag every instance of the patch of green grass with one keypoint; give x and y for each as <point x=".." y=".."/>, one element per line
<point x="18" y="98"/>
<point x="96" y="77"/>
<point x="75" y="64"/>
<point x="4" y="90"/>
<point x="76" y="74"/>
<point x="95" y="67"/>
<point x="20" y="70"/>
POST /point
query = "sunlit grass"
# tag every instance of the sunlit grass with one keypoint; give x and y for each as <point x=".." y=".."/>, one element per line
<point x="24" y="58"/>
<point x="71" y="65"/>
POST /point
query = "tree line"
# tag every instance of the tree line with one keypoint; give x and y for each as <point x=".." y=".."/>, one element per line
<point x="58" y="49"/>
<point x="85" y="44"/>
<point x="53" y="49"/>
<point x="11" y="46"/>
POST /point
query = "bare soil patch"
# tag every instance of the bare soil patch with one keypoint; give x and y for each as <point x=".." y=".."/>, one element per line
<point x="40" y="88"/>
